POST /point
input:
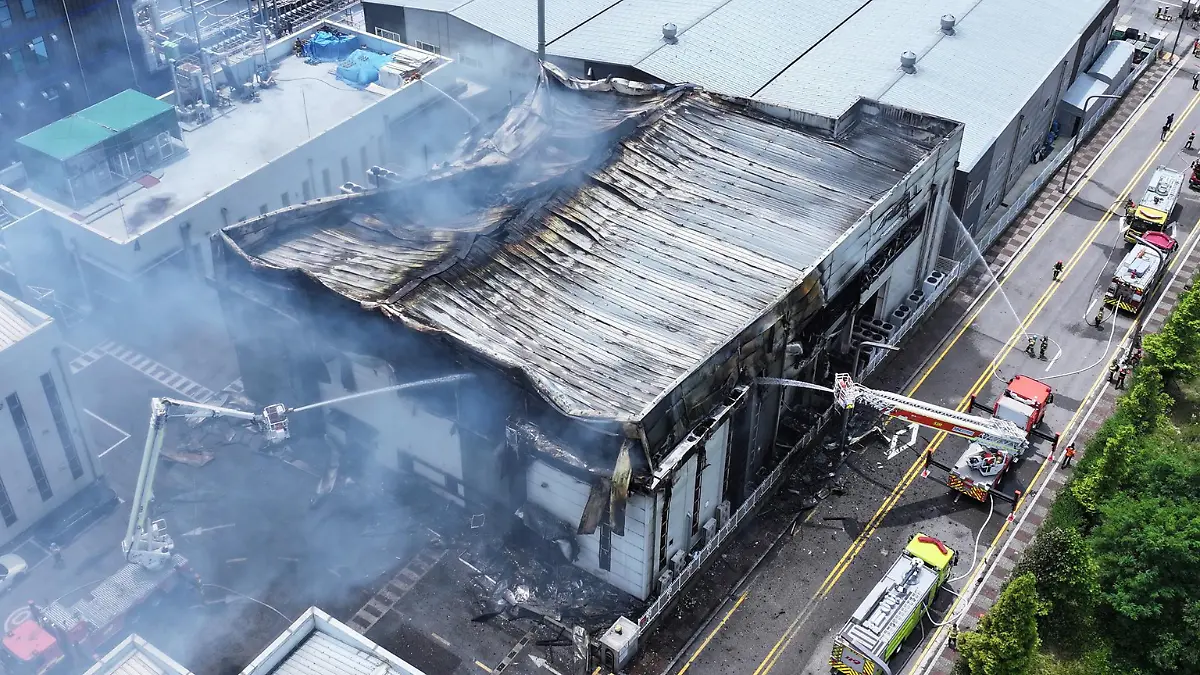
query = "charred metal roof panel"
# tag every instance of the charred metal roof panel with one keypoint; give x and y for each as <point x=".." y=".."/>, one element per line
<point x="608" y="281"/>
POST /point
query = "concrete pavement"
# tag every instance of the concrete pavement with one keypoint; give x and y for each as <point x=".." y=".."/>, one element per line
<point x="786" y="619"/>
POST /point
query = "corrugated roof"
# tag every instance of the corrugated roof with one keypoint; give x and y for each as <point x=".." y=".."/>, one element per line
<point x="123" y="111"/>
<point x="516" y="20"/>
<point x="997" y="60"/>
<point x="66" y="138"/>
<point x="17" y="320"/>
<point x="629" y="31"/>
<point x="320" y="654"/>
<point x="318" y="644"/>
<point x="135" y="656"/>
<point x="93" y="125"/>
<point x="604" y="287"/>
<point x="427" y="5"/>
<point x="821" y="55"/>
<point x="738" y="48"/>
<point x="1112" y="62"/>
<point x="825" y="82"/>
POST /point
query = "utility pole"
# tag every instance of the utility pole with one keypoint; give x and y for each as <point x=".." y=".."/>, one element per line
<point x="541" y="20"/>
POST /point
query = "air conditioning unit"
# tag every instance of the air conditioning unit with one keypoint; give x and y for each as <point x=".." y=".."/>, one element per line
<point x="664" y="580"/>
<point x="678" y="561"/>
<point x="723" y="513"/>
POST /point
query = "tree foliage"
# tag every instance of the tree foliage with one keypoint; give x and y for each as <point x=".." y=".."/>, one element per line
<point x="1068" y="579"/>
<point x="1006" y="641"/>
<point x="1148" y="555"/>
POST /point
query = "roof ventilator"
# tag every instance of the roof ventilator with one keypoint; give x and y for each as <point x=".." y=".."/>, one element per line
<point x="908" y="62"/>
<point x="670" y="33"/>
<point x="948" y="22"/>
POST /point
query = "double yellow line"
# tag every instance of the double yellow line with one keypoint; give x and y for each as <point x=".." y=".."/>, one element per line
<point x="1041" y="469"/>
<point x="852" y="552"/>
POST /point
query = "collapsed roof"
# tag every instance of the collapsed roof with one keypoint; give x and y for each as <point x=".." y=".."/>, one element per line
<point x="606" y="239"/>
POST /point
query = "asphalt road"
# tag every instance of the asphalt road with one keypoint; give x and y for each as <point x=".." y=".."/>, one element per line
<point x="786" y="618"/>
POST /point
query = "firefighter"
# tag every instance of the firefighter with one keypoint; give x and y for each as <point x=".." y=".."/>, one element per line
<point x="1100" y="316"/>
<point x="1031" y="345"/>
<point x="56" y="552"/>
<point x="1136" y="357"/>
<point x="1121" y="375"/>
<point x="1058" y="268"/>
<point x="1191" y="138"/>
<point x="1069" y="455"/>
<point x="1165" y="130"/>
<point x="1170" y="120"/>
<point x="1195" y="77"/>
<point x="1042" y="347"/>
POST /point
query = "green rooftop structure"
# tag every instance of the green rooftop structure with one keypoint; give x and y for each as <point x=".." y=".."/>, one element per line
<point x="96" y="150"/>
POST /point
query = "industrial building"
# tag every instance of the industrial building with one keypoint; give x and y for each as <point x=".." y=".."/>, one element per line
<point x="115" y="199"/>
<point x="59" y="57"/>
<point x="998" y="66"/>
<point x="614" y="266"/>
<point x="48" y="456"/>
<point x="315" y="644"/>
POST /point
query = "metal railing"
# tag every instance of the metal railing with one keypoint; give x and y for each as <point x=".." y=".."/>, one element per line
<point x="698" y="558"/>
<point x="1056" y="161"/>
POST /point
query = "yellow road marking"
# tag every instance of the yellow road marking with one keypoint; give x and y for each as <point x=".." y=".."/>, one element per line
<point x="713" y="634"/>
<point x="1097" y="383"/>
<point x="781" y="645"/>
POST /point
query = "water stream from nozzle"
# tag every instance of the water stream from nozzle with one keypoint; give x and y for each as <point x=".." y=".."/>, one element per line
<point x="474" y="119"/>
<point x="987" y="268"/>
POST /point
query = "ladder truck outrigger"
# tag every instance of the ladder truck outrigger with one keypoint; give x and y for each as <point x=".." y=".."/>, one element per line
<point x="995" y="443"/>
<point x="60" y="635"/>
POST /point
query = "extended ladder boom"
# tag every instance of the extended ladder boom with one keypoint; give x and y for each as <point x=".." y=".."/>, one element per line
<point x="989" y="432"/>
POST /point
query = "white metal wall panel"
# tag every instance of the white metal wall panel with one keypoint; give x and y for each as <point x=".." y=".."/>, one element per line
<point x="402" y="423"/>
<point x="712" y="478"/>
<point x="564" y="497"/>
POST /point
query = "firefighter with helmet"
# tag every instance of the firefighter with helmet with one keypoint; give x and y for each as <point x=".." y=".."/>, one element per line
<point x="1058" y="268"/>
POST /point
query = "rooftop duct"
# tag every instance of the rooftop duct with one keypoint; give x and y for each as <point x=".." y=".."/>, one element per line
<point x="670" y="32"/>
<point x="948" y="22"/>
<point x="908" y="62"/>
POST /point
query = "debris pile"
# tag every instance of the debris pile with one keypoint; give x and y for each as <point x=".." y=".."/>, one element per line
<point x="523" y="576"/>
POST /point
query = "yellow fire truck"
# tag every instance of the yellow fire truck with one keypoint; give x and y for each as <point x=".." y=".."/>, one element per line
<point x="893" y="608"/>
<point x="1154" y="211"/>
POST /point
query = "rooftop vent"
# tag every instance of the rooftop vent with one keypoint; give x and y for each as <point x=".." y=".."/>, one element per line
<point x="670" y="32"/>
<point x="948" y="22"/>
<point x="908" y="62"/>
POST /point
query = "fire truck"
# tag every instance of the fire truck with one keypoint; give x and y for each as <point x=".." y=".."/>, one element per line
<point x="995" y="444"/>
<point x="1140" y="272"/>
<point x="59" y="636"/>
<point x="893" y="608"/>
<point x="1152" y="213"/>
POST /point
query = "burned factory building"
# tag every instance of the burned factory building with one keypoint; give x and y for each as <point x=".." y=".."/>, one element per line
<point x="613" y="265"/>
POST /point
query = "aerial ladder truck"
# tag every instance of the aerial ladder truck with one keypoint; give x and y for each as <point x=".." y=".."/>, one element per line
<point x="995" y="443"/>
<point x="61" y="634"/>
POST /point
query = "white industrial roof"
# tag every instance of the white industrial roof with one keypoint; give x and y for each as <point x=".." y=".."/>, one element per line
<point x="318" y="644"/>
<point x="18" y="320"/>
<point x="135" y="656"/>
<point x="817" y="56"/>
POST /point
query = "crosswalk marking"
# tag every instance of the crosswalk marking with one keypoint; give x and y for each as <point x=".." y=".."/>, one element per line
<point x="180" y="384"/>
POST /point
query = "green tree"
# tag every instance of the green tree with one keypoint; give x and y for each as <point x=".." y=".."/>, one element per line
<point x="1006" y="641"/>
<point x="1067" y="579"/>
<point x="1148" y="555"/>
<point x="1109" y="466"/>
<point x="1174" y="347"/>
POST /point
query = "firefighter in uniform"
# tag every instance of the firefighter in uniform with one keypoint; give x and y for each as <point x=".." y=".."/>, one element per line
<point x="1058" y="268"/>
<point x="1121" y="375"/>
<point x="1042" y="347"/>
<point x="1031" y="345"/>
<point x="1112" y="370"/>
<point x="1100" y="316"/>
<point x="1070" y="456"/>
